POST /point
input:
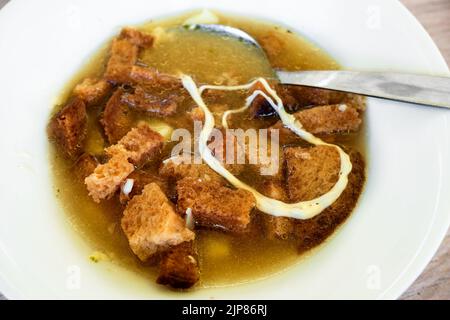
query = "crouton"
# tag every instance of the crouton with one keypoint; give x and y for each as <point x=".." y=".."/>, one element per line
<point x="137" y="37"/>
<point x="140" y="179"/>
<point x="139" y="145"/>
<point x="260" y="107"/>
<point x="330" y="119"/>
<point x="307" y="96"/>
<point x="296" y="98"/>
<point x="151" y="224"/>
<point x="183" y="166"/>
<point x="214" y="205"/>
<point x="84" y="166"/>
<point x="106" y="178"/>
<point x="276" y="227"/>
<point x="123" y="56"/>
<point x="92" y="91"/>
<point x="273" y="188"/>
<point x="312" y="172"/>
<point x="179" y="268"/>
<point x="68" y="128"/>
<point x="322" y="120"/>
<point x="197" y="114"/>
<point x="150" y="77"/>
<point x="156" y="105"/>
<point x="230" y="151"/>
<point x="355" y="101"/>
<point x="116" y="120"/>
<point x="291" y="104"/>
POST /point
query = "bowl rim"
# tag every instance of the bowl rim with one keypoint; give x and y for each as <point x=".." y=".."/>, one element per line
<point x="411" y="272"/>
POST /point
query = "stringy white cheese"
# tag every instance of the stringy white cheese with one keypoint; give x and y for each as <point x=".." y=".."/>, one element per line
<point x="127" y="187"/>
<point x="299" y="210"/>
<point x="190" y="223"/>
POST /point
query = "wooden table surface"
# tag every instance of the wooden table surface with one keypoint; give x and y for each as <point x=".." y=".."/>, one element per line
<point x="434" y="283"/>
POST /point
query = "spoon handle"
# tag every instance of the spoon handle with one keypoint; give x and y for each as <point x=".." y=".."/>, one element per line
<point x="420" y="89"/>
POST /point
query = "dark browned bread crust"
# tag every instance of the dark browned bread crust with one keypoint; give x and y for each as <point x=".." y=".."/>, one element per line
<point x="327" y="119"/>
<point x="310" y="172"/>
<point x="276" y="227"/>
<point x="116" y="120"/>
<point x="106" y="178"/>
<point x="179" y="267"/>
<point x="137" y="37"/>
<point x="171" y="170"/>
<point x="68" y="128"/>
<point x="156" y="105"/>
<point x="140" y="144"/>
<point x="84" y="166"/>
<point x="214" y="205"/>
<point x="152" y="225"/>
<point x="150" y="77"/>
<point x="314" y="231"/>
<point x="123" y="56"/>
<point x="92" y="91"/>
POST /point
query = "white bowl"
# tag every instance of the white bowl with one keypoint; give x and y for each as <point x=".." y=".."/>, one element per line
<point x="403" y="213"/>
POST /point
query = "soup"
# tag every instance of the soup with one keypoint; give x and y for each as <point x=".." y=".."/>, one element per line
<point x="185" y="224"/>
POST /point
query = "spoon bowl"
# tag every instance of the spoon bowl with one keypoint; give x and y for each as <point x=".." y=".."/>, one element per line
<point x="412" y="88"/>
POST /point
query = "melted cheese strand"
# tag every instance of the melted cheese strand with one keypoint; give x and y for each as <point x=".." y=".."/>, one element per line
<point x="247" y="104"/>
<point x="300" y="210"/>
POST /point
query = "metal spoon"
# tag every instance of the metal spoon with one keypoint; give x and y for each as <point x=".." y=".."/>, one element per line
<point x="413" y="88"/>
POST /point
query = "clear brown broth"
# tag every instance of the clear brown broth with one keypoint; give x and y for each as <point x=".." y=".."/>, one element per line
<point x="224" y="259"/>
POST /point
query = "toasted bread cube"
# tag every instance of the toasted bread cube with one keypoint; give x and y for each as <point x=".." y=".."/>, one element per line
<point x="312" y="232"/>
<point x="116" y="120"/>
<point x="84" y="166"/>
<point x="183" y="166"/>
<point x="330" y="119"/>
<point x="150" y="77"/>
<point x="324" y="120"/>
<point x="276" y="227"/>
<point x="139" y="145"/>
<point x="307" y="96"/>
<point x="231" y="152"/>
<point x="153" y="104"/>
<point x="137" y="37"/>
<point x="140" y="179"/>
<point x="214" y="205"/>
<point x="260" y="107"/>
<point x="106" y="178"/>
<point x="151" y="224"/>
<point x="273" y="188"/>
<point x="179" y="267"/>
<point x="68" y="128"/>
<point x="123" y="56"/>
<point x="311" y="172"/>
<point x="91" y="90"/>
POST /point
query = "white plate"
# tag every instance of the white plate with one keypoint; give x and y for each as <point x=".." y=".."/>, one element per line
<point x="404" y="211"/>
